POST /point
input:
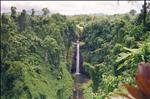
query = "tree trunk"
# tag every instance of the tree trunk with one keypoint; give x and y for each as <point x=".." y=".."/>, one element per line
<point x="144" y="12"/>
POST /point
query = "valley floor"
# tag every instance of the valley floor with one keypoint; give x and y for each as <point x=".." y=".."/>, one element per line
<point x="79" y="80"/>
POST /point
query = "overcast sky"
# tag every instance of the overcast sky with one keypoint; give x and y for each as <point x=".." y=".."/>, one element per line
<point x="75" y="7"/>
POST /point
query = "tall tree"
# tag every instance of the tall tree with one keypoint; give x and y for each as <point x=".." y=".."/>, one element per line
<point x="4" y="18"/>
<point x="22" y="20"/>
<point x="45" y="11"/>
<point x="33" y="12"/>
<point x="13" y="12"/>
<point x="132" y="12"/>
<point x="144" y="12"/>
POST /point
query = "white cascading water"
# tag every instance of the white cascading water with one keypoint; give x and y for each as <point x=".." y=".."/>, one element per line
<point x="77" y="59"/>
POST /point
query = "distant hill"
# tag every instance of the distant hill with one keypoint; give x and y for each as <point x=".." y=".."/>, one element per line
<point x="98" y="14"/>
<point x="28" y="12"/>
<point x="40" y="13"/>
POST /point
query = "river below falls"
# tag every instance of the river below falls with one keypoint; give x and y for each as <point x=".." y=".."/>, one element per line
<point x="79" y="80"/>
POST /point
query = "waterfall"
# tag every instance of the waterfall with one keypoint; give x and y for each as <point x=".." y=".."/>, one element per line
<point x="77" y="59"/>
<point x="77" y="95"/>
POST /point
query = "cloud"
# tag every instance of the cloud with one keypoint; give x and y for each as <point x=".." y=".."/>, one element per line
<point x="74" y="7"/>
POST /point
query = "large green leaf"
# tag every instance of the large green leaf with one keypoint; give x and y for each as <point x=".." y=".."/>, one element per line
<point x="122" y="56"/>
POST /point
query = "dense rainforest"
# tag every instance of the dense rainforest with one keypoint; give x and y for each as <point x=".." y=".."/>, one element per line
<point x="37" y="53"/>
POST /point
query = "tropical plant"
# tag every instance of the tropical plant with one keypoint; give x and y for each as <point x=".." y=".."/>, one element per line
<point x="142" y="91"/>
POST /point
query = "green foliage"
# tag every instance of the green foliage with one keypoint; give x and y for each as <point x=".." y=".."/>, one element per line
<point x="36" y="53"/>
<point x="113" y="46"/>
<point x="25" y="73"/>
<point x="87" y="90"/>
<point x="117" y="48"/>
